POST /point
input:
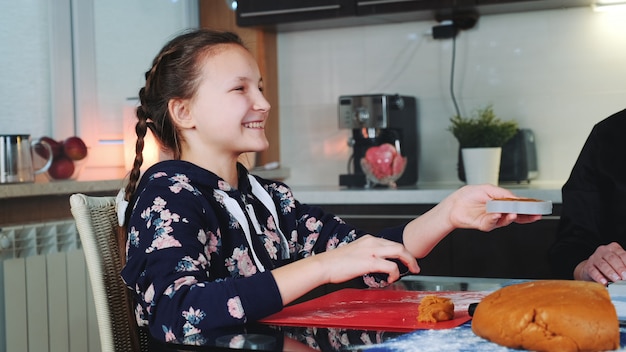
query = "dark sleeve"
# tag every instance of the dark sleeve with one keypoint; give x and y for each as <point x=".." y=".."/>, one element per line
<point x="311" y="228"/>
<point x="593" y="210"/>
<point x="324" y="231"/>
<point x="173" y="237"/>
<point x="317" y="231"/>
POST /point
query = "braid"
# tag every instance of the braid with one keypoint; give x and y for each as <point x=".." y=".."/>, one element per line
<point x="141" y="128"/>
<point x="151" y="74"/>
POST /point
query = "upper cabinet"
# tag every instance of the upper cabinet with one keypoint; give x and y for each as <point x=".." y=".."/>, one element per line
<point x="254" y="13"/>
<point x="288" y="15"/>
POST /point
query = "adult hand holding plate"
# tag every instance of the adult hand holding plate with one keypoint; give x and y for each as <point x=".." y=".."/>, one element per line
<point x="527" y="206"/>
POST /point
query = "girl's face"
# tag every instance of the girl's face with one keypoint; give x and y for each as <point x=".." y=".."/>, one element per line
<point x="229" y="110"/>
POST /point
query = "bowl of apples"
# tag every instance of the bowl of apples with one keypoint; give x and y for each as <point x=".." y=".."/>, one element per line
<point x="68" y="157"/>
<point x="383" y="165"/>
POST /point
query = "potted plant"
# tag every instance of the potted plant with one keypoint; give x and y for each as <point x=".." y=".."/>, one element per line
<point x="481" y="137"/>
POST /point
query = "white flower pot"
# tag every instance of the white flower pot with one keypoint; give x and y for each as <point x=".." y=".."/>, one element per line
<point x="482" y="165"/>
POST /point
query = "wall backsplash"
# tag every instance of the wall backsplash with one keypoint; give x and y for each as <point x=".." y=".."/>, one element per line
<point x="556" y="72"/>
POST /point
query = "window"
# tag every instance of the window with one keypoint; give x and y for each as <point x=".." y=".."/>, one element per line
<point x="68" y="68"/>
<point x="27" y="60"/>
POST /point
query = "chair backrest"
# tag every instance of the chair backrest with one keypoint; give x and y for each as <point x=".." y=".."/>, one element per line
<point x="96" y="222"/>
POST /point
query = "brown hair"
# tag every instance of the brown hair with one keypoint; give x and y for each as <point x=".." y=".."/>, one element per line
<point x="175" y="73"/>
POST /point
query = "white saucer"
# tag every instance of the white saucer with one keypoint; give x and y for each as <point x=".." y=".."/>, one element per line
<point x="523" y="206"/>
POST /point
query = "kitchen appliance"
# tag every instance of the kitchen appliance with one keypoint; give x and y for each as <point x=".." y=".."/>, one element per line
<point x="518" y="162"/>
<point x="16" y="158"/>
<point x="376" y="119"/>
<point x="519" y="158"/>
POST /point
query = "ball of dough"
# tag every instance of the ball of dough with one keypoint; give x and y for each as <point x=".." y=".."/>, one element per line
<point x="435" y="308"/>
<point x="549" y="315"/>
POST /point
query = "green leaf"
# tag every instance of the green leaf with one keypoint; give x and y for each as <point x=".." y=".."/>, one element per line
<point x="482" y="130"/>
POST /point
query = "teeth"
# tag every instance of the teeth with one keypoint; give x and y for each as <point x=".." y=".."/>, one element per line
<point x="254" y="125"/>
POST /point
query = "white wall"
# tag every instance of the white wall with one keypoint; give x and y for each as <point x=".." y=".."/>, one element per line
<point x="556" y="72"/>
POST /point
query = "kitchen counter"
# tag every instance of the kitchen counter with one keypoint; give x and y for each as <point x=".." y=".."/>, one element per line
<point x="420" y="194"/>
<point x="44" y="187"/>
<point x="47" y="200"/>
<point x="20" y="190"/>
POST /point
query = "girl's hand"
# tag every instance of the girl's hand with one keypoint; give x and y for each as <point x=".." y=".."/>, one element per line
<point x="467" y="208"/>
<point x="365" y="255"/>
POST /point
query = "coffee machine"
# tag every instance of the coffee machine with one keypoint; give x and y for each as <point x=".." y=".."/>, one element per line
<point x="376" y="119"/>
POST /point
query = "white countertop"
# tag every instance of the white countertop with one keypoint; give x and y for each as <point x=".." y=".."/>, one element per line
<point x="420" y="194"/>
<point x="36" y="189"/>
<point x="44" y="187"/>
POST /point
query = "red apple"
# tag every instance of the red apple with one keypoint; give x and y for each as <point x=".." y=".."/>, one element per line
<point x="57" y="148"/>
<point x="62" y="168"/>
<point x="75" y="148"/>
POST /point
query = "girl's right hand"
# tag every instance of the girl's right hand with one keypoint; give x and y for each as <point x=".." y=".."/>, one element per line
<point x="367" y="254"/>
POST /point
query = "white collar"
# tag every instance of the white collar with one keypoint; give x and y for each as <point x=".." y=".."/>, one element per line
<point x="235" y="209"/>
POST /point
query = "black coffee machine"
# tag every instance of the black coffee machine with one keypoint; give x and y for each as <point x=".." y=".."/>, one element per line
<point x="376" y="119"/>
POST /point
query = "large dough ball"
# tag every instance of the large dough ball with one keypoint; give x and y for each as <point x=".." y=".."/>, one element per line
<point x="549" y="315"/>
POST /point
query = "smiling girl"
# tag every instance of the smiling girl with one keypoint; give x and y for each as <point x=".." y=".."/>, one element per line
<point x="210" y="245"/>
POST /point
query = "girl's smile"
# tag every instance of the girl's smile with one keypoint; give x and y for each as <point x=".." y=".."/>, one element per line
<point x="255" y="125"/>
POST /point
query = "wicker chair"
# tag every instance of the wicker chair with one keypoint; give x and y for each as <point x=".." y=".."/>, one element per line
<point x="96" y="222"/>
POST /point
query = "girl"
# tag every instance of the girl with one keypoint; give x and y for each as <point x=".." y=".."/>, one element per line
<point x="211" y="246"/>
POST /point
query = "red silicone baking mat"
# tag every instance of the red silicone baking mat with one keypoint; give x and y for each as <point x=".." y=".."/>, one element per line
<point x="372" y="309"/>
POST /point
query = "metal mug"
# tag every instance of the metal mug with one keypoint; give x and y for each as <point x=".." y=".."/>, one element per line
<point x="16" y="158"/>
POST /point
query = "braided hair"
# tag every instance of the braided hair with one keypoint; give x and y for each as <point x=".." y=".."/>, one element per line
<point x="175" y="74"/>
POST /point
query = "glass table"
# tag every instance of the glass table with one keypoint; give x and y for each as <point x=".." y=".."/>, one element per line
<point x="260" y="337"/>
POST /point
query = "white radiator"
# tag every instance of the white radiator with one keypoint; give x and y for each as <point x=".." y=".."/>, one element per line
<point x="45" y="297"/>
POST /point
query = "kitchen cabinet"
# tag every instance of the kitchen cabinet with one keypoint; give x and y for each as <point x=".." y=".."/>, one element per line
<point x="286" y="15"/>
<point x="251" y="13"/>
<point x="515" y="251"/>
<point x="374" y="7"/>
<point x="336" y="12"/>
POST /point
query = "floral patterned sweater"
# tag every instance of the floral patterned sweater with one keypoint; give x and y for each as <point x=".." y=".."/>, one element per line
<point x="193" y="262"/>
